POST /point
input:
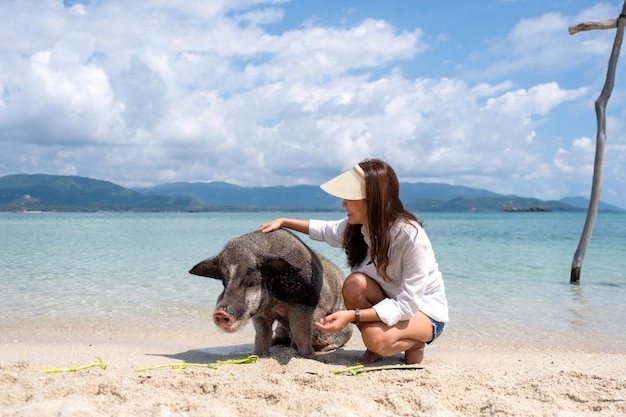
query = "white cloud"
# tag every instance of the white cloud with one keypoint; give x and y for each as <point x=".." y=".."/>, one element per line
<point x="542" y="44"/>
<point x="539" y="100"/>
<point x="142" y="93"/>
<point x="583" y="144"/>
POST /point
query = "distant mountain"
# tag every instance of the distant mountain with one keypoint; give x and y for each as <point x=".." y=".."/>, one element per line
<point x="301" y="197"/>
<point x="490" y="204"/>
<point x="583" y="203"/>
<point x="220" y="194"/>
<point x="421" y="197"/>
<point x="69" y="193"/>
<point x="410" y="192"/>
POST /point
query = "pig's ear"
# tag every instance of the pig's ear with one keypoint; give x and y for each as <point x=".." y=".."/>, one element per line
<point x="208" y="268"/>
<point x="287" y="263"/>
<point x="275" y="265"/>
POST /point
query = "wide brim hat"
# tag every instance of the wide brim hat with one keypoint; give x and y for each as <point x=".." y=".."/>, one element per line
<point x="349" y="186"/>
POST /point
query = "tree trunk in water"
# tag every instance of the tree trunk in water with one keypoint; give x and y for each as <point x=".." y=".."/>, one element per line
<point x="596" y="185"/>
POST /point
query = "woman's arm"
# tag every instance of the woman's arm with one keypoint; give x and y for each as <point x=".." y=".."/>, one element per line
<point x="335" y="322"/>
<point x="301" y="226"/>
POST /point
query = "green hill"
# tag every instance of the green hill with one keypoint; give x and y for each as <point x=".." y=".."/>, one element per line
<point x="418" y="197"/>
<point x="490" y="204"/>
<point x="70" y="193"/>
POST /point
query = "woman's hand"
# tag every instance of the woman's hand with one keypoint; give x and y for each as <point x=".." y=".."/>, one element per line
<point x="336" y="321"/>
<point x="271" y="225"/>
<point x="301" y="226"/>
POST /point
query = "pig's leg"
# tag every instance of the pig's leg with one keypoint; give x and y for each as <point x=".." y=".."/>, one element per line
<point x="263" y="336"/>
<point x="301" y="328"/>
<point x="281" y="336"/>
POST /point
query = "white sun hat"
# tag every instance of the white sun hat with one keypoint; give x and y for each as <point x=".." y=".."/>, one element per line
<point x="349" y="186"/>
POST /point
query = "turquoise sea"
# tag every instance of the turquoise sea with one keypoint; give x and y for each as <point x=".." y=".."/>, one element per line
<point x="506" y="274"/>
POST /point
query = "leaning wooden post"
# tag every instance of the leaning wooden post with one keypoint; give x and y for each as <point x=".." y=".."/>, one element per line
<point x="600" y="106"/>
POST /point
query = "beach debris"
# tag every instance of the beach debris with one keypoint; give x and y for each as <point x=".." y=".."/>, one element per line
<point x="143" y="378"/>
<point x="249" y="359"/>
<point x="361" y="369"/>
<point x="178" y="366"/>
<point x="98" y="364"/>
<point x="215" y="365"/>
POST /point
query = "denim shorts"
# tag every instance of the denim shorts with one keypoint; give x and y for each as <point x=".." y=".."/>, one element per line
<point x="437" y="329"/>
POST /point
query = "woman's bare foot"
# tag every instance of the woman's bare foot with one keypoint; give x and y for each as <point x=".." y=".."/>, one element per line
<point x="370" y="357"/>
<point x="415" y="356"/>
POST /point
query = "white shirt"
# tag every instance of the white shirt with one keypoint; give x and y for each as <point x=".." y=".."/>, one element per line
<point x="417" y="282"/>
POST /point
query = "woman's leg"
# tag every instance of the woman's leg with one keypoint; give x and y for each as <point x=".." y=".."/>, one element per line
<point x="360" y="291"/>
<point x="409" y="336"/>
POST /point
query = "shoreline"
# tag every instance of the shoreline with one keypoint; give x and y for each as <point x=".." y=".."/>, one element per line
<point x="456" y="379"/>
<point x="198" y="328"/>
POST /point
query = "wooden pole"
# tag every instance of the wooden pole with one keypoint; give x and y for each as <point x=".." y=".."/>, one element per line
<point x="593" y="24"/>
<point x="600" y="106"/>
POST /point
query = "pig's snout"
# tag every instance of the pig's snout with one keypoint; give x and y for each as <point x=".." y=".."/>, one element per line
<point x="224" y="321"/>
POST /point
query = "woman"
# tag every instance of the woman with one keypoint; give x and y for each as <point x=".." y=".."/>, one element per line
<point x="395" y="293"/>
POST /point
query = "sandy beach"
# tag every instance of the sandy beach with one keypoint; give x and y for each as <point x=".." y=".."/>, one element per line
<point x="455" y="380"/>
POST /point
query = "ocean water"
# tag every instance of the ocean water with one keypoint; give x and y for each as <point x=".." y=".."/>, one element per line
<point x="506" y="274"/>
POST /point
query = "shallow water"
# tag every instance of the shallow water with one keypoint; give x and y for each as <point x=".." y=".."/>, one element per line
<point x="506" y="274"/>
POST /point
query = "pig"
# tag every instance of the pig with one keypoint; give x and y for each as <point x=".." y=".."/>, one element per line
<point x="275" y="277"/>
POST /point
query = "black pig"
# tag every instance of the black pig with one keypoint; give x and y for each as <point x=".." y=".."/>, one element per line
<point x="272" y="277"/>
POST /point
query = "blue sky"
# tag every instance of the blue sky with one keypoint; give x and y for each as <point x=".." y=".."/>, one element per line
<point x="493" y="94"/>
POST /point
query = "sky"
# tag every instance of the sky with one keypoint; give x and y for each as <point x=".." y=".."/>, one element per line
<point x="493" y="94"/>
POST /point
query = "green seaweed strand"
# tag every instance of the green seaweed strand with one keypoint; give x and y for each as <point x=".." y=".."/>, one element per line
<point x="99" y="364"/>
<point x="361" y="369"/>
<point x="178" y="366"/>
<point x="352" y="370"/>
<point x="249" y="359"/>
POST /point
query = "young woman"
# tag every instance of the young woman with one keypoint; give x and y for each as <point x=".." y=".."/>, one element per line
<point x="395" y="292"/>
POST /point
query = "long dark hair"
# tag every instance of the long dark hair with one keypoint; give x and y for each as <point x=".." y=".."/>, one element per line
<point x="384" y="208"/>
